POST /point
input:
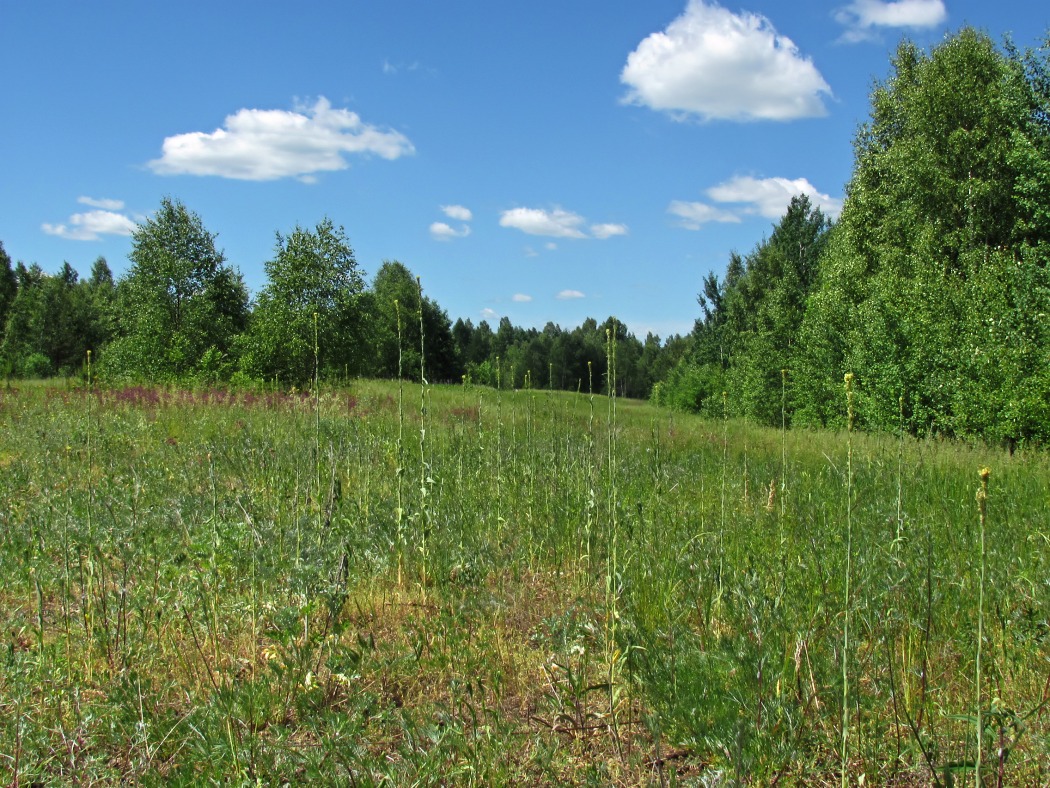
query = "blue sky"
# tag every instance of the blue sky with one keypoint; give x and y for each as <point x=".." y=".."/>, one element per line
<point x="547" y="161"/>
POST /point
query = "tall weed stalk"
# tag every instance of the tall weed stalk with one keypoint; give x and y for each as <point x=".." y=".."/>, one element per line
<point x="982" y="509"/>
<point x="612" y="573"/>
<point x="425" y="480"/>
<point x="850" y="415"/>
<point x="400" y="448"/>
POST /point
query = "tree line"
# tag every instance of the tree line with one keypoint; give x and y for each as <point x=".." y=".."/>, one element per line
<point x="182" y="314"/>
<point x="932" y="287"/>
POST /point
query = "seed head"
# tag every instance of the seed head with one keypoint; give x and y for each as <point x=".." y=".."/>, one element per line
<point x="850" y="413"/>
<point x="982" y="493"/>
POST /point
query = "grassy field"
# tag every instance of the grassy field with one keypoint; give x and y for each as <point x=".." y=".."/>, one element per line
<point x="387" y="584"/>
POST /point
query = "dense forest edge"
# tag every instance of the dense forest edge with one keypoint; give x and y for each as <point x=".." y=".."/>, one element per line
<point x="932" y="288"/>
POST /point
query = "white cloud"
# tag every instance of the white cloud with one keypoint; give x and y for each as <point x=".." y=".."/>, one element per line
<point x="489" y="314"/>
<point x="396" y="68"/>
<point x="568" y="295"/>
<point x="556" y="223"/>
<point x="442" y="231"/>
<point x="104" y="204"/>
<point x="862" y="17"/>
<point x="769" y="197"/>
<point x="264" y="145"/>
<point x="604" y="231"/>
<point x="521" y="298"/>
<point x="445" y="232"/>
<point x="694" y="215"/>
<point x="715" y="64"/>
<point x="766" y="197"/>
<point x="457" y="212"/>
<point x="91" y="226"/>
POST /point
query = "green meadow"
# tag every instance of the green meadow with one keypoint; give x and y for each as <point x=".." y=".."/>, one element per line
<point x="419" y="585"/>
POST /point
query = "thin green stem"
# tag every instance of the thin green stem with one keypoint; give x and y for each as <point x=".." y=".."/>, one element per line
<point x="612" y="564"/>
<point x="317" y="426"/>
<point x="725" y="467"/>
<point x="400" y="447"/>
<point x="783" y="449"/>
<point x="900" y="474"/>
<point x="982" y="507"/>
<point x="424" y="477"/>
<point x="849" y="571"/>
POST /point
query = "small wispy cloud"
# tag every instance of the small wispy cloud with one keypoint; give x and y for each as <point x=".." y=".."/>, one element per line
<point x="442" y="231"/>
<point x="267" y="145"/>
<point x="457" y="212"/>
<point x="557" y="223"/>
<point x="569" y="295"/>
<point x="396" y="68"/>
<point x="693" y="215"/>
<point x="604" y="231"/>
<point x="863" y="18"/>
<point x="106" y="219"/>
<point x="521" y="298"/>
<point x="104" y="204"/>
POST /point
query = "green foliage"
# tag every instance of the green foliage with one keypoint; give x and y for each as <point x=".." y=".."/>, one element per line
<point x="8" y="286"/>
<point x="101" y="293"/>
<point x="178" y="301"/>
<point x="53" y="321"/>
<point x="396" y="290"/>
<point x="312" y="276"/>
<point x="35" y="365"/>
<point x="933" y="287"/>
<point x="25" y="326"/>
<point x="751" y="321"/>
